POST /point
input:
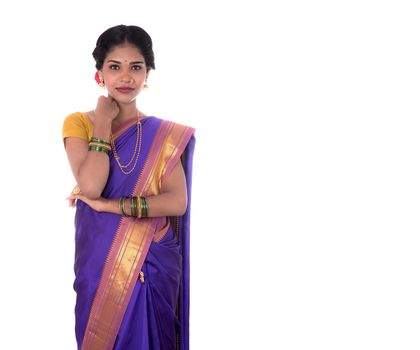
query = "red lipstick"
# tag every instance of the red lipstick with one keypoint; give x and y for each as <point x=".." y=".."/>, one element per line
<point x="124" y="90"/>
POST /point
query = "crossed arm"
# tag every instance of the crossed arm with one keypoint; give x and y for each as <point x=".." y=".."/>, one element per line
<point x="91" y="171"/>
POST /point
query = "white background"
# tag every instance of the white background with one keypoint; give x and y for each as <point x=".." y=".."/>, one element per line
<point x="306" y="176"/>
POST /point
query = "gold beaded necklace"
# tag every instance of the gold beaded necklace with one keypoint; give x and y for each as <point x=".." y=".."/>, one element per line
<point x="136" y="152"/>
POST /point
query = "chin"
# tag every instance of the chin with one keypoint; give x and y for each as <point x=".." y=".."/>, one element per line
<point x="123" y="99"/>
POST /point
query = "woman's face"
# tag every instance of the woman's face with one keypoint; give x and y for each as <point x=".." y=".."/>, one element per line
<point x="124" y="73"/>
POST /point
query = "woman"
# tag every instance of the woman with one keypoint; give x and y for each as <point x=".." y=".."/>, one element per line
<point x="133" y="176"/>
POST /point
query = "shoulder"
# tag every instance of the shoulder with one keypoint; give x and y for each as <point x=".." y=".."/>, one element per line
<point x="172" y="126"/>
<point x="77" y="124"/>
<point x="176" y="139"/>
<point x="77" y="118"/>
<point x="176" y="136"/>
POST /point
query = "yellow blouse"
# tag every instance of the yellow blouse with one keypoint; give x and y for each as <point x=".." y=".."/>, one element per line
<point x="78" y="125"/>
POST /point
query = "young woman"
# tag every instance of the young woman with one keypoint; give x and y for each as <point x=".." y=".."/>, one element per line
<point x="133" y="176"/>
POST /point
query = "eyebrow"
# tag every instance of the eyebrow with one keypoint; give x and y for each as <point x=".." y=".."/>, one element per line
<point x="118" y="62"/>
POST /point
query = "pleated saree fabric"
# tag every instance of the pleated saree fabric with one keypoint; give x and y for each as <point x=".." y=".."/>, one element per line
<point x="132" y="275"/>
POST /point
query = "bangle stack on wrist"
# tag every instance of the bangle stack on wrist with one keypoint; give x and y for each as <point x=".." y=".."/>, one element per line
<point x="138" y="206"/>
<point x="99" y="145"/>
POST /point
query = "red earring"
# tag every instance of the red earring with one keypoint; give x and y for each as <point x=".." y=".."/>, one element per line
<point x="99" y="79"/>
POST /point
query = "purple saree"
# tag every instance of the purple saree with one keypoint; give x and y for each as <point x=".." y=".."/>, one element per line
<point x="132" y="275"/>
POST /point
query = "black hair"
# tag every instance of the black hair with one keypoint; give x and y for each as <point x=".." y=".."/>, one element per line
<point x="124" y="34"/>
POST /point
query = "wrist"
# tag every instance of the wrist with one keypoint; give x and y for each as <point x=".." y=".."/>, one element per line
<point x="102" y="205"/>
<point x="102" y="130"/>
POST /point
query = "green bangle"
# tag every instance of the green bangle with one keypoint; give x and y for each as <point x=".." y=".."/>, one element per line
<point x="98" y="149"/>
<point x="97" y="144"/>
<point x="121" y="205"/>
<point x="144" y="208"/>
<point x="133" y="206"/>
<point x="96" y="139"/>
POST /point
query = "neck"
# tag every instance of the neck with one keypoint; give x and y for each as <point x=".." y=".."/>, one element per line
<point x="127" y="111"/>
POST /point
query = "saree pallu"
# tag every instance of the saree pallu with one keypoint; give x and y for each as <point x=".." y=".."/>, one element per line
<point x="132" y="275"/>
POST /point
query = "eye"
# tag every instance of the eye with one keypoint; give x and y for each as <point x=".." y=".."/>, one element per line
<point x="136" y="67"/>
<point x="114" y="67"/>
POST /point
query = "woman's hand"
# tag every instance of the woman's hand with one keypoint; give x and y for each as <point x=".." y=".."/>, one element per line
<point x="98" y="204"/>
<point x="107" y="109"/>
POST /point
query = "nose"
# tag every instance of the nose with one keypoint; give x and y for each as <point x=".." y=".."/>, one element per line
<point x="126" y="77"/>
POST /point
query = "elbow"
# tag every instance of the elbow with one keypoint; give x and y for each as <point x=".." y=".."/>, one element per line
<point x="181" y="208"/>
<point x="90" y="192"/>
<point x="90" y="189"/>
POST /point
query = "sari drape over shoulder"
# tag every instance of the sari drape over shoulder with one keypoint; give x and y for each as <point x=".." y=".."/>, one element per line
<point x="132" y="275"/>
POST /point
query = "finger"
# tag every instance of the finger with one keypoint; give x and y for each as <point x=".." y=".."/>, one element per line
<point x="82" y="198"/>
<point x="113" y="101"/>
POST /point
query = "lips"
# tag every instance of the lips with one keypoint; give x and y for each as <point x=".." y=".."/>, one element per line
<point x="124" y="90"/>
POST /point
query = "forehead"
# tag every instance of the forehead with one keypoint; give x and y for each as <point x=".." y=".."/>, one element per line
<point x="124" y="52"/>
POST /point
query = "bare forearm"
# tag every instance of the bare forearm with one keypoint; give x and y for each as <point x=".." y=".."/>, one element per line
<point x="94" y="171"/>
<point x="165" y="204"/>
<point x="93" y="174"/>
